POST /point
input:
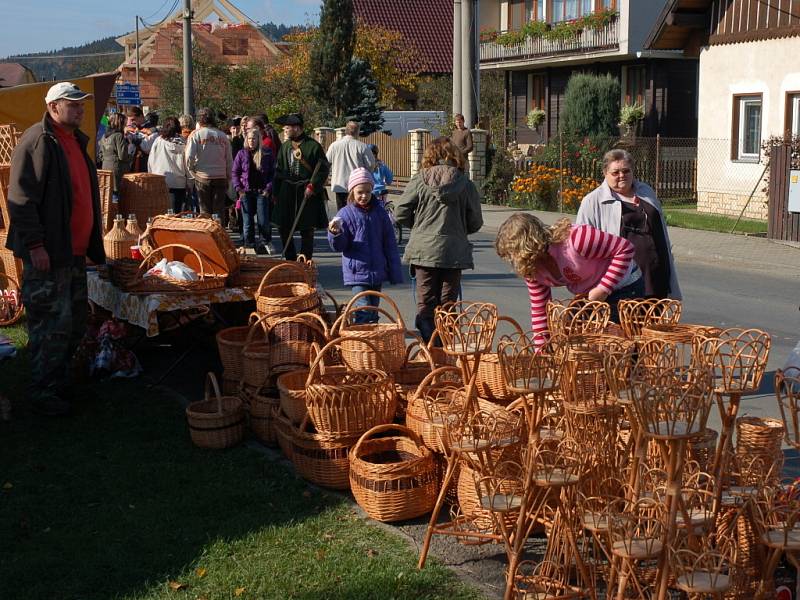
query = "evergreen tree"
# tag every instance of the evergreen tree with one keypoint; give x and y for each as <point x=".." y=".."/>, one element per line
<point x="360" y="96"/>
<point x="331" y="53"/>
<point x="591" y="106"/>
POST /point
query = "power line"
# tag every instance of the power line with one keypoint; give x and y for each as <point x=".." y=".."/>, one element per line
<point x="59" y="56"/>
<point x="167" y="16"/>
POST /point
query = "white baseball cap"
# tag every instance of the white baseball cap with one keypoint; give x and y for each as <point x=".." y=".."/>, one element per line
<point x="65" y="91"/>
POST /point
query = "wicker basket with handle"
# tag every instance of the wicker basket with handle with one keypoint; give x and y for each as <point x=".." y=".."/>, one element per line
<point x="253" y="268"/>
<point x="439" y="394"/>
<point x="290" y="340"/>
<point x="218" y="421"/>
<point x="321" y="458"/>
<point x="255" y="354"/>
<point x="286" y="297"/>
<point x="490" y="382"/>
<point x="11" y="308"/>
<point x="393" y="478"/>
<point x="145" y="194"/>
<point x="230" y="343"/>
<point x="387" y="338"/>
<point x="342" y="402"/>
<point x="262" y="407"/>
<point x="162" y="283"/>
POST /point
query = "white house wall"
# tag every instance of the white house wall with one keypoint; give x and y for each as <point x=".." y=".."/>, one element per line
<point x="767" y="67"/>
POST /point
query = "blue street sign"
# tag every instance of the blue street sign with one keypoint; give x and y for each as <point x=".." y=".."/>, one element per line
<point x="127" y="94"/>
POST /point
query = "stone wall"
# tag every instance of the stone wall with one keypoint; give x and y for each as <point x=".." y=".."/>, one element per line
<point x="731" y="204"/>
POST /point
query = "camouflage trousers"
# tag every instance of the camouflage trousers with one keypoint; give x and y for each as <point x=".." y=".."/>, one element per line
<point x="57" y="305"/>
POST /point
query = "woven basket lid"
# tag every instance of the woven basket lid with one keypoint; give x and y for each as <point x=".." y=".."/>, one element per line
<point x="204" y="235"/>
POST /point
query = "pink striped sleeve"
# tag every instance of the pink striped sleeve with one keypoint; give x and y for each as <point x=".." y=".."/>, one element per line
<point x="596" y="244"/>
<point x="539" y="294"/>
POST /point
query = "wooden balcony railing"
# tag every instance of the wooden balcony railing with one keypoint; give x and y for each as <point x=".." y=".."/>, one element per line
<point x="588" y="40"/>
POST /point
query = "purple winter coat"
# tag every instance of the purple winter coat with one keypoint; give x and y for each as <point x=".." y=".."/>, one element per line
<point x="255" y="180"/>
<point x="368" y="246"/>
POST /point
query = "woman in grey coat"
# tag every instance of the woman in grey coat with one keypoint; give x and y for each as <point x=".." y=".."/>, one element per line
<point x="442" y="207"/>
<point x="114" y="155"/>
<point x="626" y="207"/>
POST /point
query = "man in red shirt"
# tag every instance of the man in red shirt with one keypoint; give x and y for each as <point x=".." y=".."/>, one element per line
<point x="54" y="209"/>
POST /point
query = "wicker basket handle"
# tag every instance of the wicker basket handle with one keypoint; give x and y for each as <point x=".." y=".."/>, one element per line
<point x="211" y="382"/>
<point x="350" y="308"/>
<point x="286" y="266"/>
<point x="295" y="319"/>
<point x="343" y="318"/>
<point x="254" y="326"/>
<point x="319" y="365"/>
<point x="387" y="427"/>
<point x="418" y="344"/>
<point x="430" y="377"/>
<point x="317" y="321"/>
<point x="254" y="316"/>
<point x="336" y="306"/>
<point x="140" y="270"/>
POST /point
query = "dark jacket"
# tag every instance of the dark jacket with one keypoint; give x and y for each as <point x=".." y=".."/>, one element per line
<point x="368" y="246"/>
<point x="441" y="206"/>
<point x="291" y="178"/>
<point x="40" y="197"/>
<point x="114" y="156"/>
<point x="245" y="176"/>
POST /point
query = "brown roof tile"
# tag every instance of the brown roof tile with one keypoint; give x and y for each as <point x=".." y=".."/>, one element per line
<point x="427" y="24"/>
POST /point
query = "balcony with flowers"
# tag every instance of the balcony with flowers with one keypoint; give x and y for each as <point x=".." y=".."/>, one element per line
<point x="594" y="32"/>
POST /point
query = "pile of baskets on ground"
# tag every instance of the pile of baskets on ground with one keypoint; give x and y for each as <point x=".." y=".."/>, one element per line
<point x="596" y="435"/>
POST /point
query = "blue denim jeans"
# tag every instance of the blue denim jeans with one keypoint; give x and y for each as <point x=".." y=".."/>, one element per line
<point x="629" y="292"/>
<point x="366" y="316"/>
<point x="255" y="207"/>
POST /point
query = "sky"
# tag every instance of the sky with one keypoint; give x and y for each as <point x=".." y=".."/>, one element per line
<point x="45" y="25"/>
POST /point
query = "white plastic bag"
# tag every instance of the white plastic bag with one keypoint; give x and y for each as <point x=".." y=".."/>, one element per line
<point x="174" y="269"/>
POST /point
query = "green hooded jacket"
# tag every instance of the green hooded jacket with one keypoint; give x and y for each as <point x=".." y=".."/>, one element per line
<point x="442" y="207"/>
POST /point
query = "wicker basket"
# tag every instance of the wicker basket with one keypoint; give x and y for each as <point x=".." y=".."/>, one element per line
<point x="439" y="391"/>
<point x="206" y="236"/>
<point x="253" y="270"/>
<point x="292" y="391"/>
<point x="290" y="340"/>
<point x="117" y="242"/>
<point x="761" y="438"/>
<point x="393" y="478"/>
<point x="11" y="308"/>
<point x="347" y="403"/>
<point x="145" y="194"/>
<point x="410" y="375"/>
<point x="255" y="355"/>
<point x="230" y="385"/>
<point x="283" y="434"/>
<point x="230" y="343"/>
<point x="321" y="458"/>
<point x="216" y="422"/>
<point x="165" y="284"/>
<point x="9" y="264"/>
<point x="286" y="297"/>
<point x="123" y="272"/>
<point x="9" y="136"/>
<point x="263" y="408"/>
<point x="387" y="338"/>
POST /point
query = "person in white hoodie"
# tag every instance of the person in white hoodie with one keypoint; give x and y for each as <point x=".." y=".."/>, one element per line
<point x="167" y="158"/>
<point x="209" y="160"/>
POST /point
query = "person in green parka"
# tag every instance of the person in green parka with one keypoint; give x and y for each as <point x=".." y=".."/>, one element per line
<point x="300" y="176"/>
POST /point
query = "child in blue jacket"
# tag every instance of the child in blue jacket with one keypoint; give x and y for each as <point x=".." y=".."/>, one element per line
<point x="362" y="231"/>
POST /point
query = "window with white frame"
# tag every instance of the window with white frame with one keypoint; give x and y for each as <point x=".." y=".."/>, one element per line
<point x="747" y="127"/>
<point x="793" y="111"/>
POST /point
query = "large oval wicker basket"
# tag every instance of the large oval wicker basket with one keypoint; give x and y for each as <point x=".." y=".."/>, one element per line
<point x="387" y="338"/>
<point x="216" y="422"/>
<point x="393" y="478"/>
<point x="342" y="402"/>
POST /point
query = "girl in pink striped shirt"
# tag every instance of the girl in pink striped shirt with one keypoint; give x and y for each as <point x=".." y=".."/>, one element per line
<point x="581" y="258"/>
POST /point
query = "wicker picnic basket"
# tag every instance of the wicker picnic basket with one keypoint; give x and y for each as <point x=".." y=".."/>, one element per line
<point x="108" y="209"/>
<point x="292" y="392"/>
<point x="206" y="236"/>
<point x="393" y="478"/>
<point x="161" y="283"/>
<point x="11" y="308"/>
<point x="145" y="194"/>
<point x="342" y="402"/>
<point x="388" y="339"/>
<point x="262" y="408"/>
<point x="216" y="422"/>
<point x="322" y="458"/>
<point x="117" y="242"/>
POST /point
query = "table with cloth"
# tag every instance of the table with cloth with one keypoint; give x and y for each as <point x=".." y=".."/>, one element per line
<point x="142" y="309"/>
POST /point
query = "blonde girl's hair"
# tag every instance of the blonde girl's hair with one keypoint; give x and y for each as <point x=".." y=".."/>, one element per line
<point x="256" y="154"/>
<point x="523" y="239"/>
<point x="443" y="151"/>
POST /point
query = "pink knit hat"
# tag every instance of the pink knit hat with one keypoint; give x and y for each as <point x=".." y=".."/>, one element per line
<point x="358" y="176"/>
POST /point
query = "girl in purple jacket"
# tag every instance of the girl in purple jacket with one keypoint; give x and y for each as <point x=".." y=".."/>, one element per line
<point x="362" y="231"/>
<point x="252" y="173"/>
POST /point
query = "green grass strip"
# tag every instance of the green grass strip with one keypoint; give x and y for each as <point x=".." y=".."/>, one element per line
<point x="691" y="219"/>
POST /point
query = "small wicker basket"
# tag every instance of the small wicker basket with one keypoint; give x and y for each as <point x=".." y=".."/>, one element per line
<point x="393" y="478"/>
<point x="162" y="283"/>
<point x="321" y="458"/>
<point x="216" y="422"/>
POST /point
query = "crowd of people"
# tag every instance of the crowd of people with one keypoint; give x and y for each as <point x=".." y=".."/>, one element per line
<point x="618" y="249"/>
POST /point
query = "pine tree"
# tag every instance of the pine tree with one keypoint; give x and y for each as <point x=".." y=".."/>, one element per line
<point x="360" y="96"/>
<point x="331" y="53"/>
<point x="591" y="106"/>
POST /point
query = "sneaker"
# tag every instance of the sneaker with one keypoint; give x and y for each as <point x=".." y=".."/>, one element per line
<point x="261" y="249"/>
<point x="270" y="248"/>
<point x="51" y="407"/>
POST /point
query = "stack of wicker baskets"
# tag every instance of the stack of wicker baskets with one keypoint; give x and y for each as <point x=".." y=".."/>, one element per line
<point x="10" y="267"/>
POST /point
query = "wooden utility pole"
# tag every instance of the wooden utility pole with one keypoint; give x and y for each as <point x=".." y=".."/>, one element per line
<point x="188" y="86"/>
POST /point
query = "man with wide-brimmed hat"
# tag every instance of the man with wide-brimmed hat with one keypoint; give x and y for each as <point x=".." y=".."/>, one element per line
<point x="300" y="176"/>
<point x="54" y="209"/>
